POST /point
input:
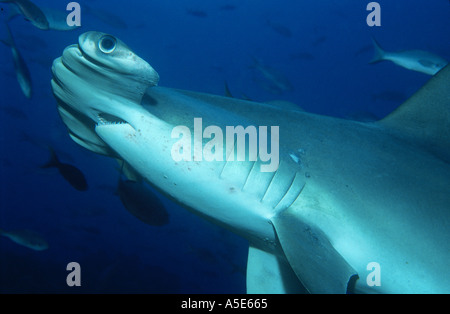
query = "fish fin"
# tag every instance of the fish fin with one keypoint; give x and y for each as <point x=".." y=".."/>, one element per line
<point x="227" y="90"/>
<point x="14" y="11"/>
<point x="53" y="162"/>
<point x="267" y="273"/>
<point x="379" y="52"/>
<point x="425" y="116"/>
<point x="319" y="267"/>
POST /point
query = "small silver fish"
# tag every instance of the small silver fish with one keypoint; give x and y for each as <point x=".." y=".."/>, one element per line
<point x="274" y="81"/>
<point x="22" y="72"/>
<point x="26" y="238"/>
<point x="416" y="60"/>
<point x="31" y="12"/>
<point x="280" y="29"/>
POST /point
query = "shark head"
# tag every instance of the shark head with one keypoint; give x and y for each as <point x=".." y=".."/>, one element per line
<point x="96" y="82"/>
<point x="100" y="86"/>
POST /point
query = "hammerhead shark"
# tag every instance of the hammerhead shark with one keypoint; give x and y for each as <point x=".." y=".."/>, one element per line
<point x="345" y="206"/>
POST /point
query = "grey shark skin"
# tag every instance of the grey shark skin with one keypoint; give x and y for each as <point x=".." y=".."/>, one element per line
<point x="345" y="194"/>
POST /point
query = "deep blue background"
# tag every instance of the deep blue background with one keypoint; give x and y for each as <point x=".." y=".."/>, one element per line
<point x="117" y="252"/>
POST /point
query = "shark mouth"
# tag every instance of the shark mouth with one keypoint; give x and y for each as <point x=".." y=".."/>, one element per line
<point x="82" y="126"/>
<point x="109" y="119"/>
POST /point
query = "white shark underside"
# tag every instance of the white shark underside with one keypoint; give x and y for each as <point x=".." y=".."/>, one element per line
<point x="345" y="194"/>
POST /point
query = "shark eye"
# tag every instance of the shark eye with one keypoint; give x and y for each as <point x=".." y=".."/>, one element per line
<point x="107" y="44"/>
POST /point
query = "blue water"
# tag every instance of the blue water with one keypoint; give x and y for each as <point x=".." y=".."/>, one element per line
<point x="194" y="45"/>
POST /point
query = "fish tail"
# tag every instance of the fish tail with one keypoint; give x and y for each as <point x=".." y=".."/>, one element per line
<point x="13" y="11"/>
<point x="379" y="52"/>
<point x="53" y="162"/>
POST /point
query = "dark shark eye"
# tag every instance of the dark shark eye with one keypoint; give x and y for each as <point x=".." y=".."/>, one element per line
<point x="107" y="44"/>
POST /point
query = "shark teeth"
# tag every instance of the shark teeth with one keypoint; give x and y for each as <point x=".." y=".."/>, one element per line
<point x="102" y="121"/>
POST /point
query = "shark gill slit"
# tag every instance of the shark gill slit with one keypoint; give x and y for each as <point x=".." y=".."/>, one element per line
<point x="270" y="184"/>
<point x="285" y="193"/>
<point x="227" y="159"/>
<point x="248" y="175"/>
<point x="294" y="192"/>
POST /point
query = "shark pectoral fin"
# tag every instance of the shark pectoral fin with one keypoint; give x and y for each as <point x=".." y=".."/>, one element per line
<point x="267" y="273"/>
<point x="320" y="268"/>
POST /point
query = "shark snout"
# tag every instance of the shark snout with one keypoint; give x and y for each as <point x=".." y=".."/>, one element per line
<point x="99" y="81"/>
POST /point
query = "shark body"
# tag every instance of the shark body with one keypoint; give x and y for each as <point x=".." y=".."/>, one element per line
<point x="345" y="194"/>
